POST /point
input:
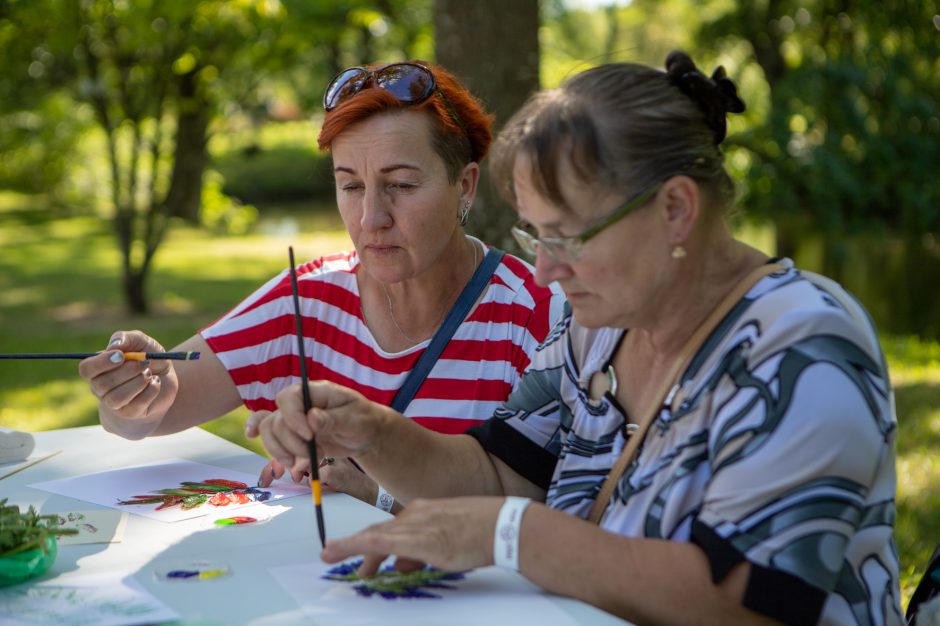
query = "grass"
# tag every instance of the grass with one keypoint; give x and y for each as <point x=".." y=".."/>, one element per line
<point x="60" y="291"/>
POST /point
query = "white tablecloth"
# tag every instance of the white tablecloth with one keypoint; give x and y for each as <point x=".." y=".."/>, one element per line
<point x="251" y="595"/>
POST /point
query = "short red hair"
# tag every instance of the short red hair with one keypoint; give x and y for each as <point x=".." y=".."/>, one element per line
<point x="456" y="143"/>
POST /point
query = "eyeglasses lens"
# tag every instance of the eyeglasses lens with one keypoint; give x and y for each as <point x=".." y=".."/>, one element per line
<point x="526" y="241"/>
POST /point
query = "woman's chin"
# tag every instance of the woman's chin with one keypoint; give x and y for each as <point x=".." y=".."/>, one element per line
<point x="590" y="317"/>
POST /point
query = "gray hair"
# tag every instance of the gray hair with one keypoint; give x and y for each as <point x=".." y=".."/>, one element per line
<point x="622" y="127"/>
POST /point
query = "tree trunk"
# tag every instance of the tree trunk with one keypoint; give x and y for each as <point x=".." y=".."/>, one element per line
<point x="190" y="154"/>
<point x="495" y="53"/>
<point x="135" y="292"/>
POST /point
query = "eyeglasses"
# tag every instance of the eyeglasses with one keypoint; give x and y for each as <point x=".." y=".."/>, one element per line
<point x="408" y="82"/>
<point x="570" y="248"/>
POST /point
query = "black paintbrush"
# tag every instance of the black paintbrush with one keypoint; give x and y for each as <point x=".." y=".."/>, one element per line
<point x="128" y="356"/>
<point x="315" y="487"/>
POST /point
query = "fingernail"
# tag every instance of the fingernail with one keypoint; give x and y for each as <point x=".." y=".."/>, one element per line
<point x="117" y="357"/>
<point x="155" y="381"/>
<point x="116" y="341"/>
<point x="147" y="373"/>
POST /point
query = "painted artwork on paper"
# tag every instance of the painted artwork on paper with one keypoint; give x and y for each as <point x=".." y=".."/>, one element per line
<point x="98" y="526"/>
<point x="173" y="490"/>
<point x="107" y="599"/>
<point x="327" y="594"/>
<point x="391" y="584"/>
<point x="192" y="495"/>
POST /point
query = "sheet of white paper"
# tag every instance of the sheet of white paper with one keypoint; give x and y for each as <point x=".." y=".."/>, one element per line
<point x="107" y="488"/>
<point x="110" y="599"/>
<point x="99" y="526"/>
<point x="486" y="596"/>
<point x="8" y="469"/>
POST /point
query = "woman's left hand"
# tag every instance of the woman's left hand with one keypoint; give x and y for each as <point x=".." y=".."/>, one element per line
<point x="453" y="534"/>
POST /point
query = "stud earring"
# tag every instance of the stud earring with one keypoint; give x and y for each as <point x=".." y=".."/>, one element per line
<point x="678" y="252"/>
<point x="464" y="214"/>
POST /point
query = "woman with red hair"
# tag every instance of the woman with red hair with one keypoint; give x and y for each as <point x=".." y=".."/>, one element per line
<point x="406" y="141"/>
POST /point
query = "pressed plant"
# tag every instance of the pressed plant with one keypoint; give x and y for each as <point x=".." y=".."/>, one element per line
<point x="22" y="531"/>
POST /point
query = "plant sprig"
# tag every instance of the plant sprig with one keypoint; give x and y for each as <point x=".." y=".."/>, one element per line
<point x="28" y="530"/>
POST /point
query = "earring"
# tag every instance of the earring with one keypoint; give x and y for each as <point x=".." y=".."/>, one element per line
<point x="678" y="252"/>
<point x="464" y="214"/>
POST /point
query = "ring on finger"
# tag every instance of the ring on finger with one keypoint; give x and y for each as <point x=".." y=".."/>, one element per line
<point x="327" y="460"/>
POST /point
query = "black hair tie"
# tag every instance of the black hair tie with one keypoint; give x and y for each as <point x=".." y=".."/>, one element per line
<point x="715" y="97"/>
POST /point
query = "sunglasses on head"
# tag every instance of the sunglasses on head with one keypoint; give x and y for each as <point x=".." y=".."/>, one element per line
<point x="408" y="82"/>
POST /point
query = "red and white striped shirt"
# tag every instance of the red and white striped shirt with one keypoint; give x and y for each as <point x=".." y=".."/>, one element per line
<point x="256" y="342"/>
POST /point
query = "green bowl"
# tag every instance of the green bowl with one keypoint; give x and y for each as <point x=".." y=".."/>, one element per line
<point x="21" y="566"/>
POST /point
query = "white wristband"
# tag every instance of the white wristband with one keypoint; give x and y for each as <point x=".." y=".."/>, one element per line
<point x="385" y="501"/>
<point x="506" y="537"/>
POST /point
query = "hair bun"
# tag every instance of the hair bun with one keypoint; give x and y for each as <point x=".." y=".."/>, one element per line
<point x="715" y="97"/>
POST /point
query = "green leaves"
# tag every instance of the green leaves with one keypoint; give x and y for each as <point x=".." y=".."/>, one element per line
<point x="26" y="531"/>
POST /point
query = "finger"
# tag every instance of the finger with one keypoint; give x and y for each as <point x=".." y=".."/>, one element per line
<point x="290" y="405"/>
<point x="271" y="472"/>
<point x="251" y="424"/>
<point x="300" y="471"/>
<point x="134" y="393"/>
<point x="403" y="564"/>
<point x="374" y="540"/>
<point x="325" y="394"/>
<point x="116" y="341"/>
<point x="100" y="364"/>
<point x="370" y="564"/>
<point x="271" y="438"/>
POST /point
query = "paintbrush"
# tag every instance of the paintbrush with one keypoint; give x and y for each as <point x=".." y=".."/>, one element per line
<point x="128" y="356"/>
<point x="315" y="487"/>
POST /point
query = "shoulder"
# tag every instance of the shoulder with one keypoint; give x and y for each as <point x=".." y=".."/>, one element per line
<point x="516" y="279"/>
<point x="796" y="305"/>
<point x="332" y="269"/>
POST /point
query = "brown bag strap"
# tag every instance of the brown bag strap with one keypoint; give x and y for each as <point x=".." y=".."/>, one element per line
<point x="669" y="382"/>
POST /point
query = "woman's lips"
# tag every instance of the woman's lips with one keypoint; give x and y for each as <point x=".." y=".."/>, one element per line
<point x="381" y="249"/>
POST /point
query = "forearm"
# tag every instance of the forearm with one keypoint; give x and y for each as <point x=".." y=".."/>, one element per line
<point x="411" y="461"/>
<point x="647" y="581"/>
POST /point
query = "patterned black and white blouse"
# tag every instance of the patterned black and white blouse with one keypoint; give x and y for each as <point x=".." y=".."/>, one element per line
<point x="776" y="446"/>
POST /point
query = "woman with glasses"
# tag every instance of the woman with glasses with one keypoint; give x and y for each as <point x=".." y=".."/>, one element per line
<point x="406" y="140"/>
<point x="706" y="437"/>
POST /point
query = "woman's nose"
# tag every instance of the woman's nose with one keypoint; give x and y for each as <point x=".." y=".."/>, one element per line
<point x="376" y="213"/>
<point x="548" y="269"/>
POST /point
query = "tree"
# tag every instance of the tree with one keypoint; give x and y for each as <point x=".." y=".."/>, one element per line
<point x="850" y="143"/>
<point x="498" y="60"/>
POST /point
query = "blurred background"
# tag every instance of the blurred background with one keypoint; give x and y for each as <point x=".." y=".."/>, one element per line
<point x="158" y="157"/>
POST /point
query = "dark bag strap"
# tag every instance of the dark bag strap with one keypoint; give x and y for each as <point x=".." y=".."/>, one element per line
<point x="458" y="312"/>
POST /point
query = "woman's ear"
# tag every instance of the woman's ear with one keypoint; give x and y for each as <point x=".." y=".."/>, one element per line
<point x="682" y="207"/>
<point x="467" y="182"/>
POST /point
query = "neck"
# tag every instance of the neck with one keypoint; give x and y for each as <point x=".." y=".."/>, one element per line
<point x="700" y="284"/>
<point x="415" y="308"/>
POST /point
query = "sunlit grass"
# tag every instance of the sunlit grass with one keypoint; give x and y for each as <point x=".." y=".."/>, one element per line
<point x="60" y="291"/>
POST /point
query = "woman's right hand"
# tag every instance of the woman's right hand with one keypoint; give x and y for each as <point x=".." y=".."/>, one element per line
<point x="344" y="422"/>
<point x="133" y="396"/>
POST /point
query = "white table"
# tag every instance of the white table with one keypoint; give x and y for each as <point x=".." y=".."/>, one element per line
<point x="250" y="595"/>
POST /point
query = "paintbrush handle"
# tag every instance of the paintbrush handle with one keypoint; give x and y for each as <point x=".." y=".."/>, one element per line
<point x="128" y="356"/>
